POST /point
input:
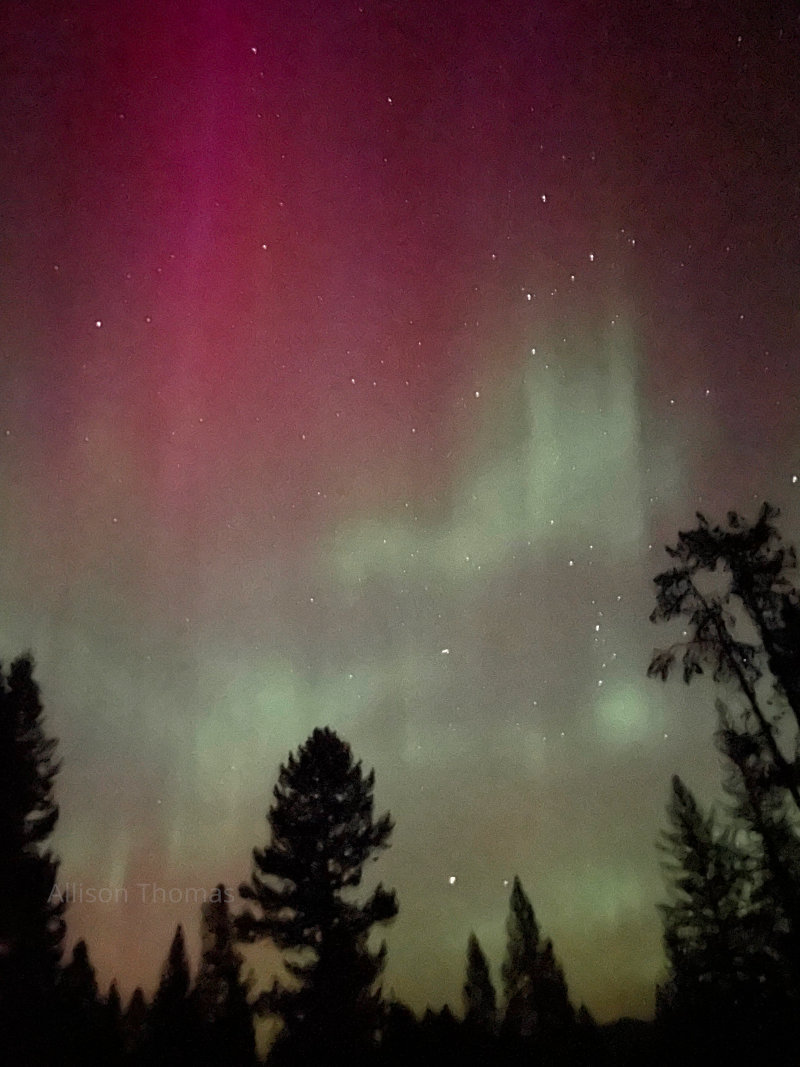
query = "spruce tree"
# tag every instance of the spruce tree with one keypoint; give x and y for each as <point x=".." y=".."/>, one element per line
<point x="220" y="994"/>
<point x="480" y="998"/>
<point x="519" y="965"/>
<point x="114" y="1003"/>
<point x="112" y="1024"/>
<point x="172" y="1022"/>
<point x="82" y="1037"/>
<point x="739" y="610"/>
<point x="134" y="1027"/>
<point x="322" y="834"/>
<point x="767" y="821"/>
<point x="31" y="908"/>
<point x="703" y="920"/>
<point x="537" y="1006"/>
<point x="728" y="992"/>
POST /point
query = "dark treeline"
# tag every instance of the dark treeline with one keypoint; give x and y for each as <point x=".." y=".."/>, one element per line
<point x="731" y="987"/>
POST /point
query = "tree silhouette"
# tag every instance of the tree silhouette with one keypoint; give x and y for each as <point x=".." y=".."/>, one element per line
<point x="705" y="921"/>
<point x="403" y="1039"/>
<point x="756" y="597"/>
<point x="322" y="833"/>
<point x="172" y="1022"/>
<point x="86" y="1036"/>
<point x="220" y="994"/>
<point x="480" y="999"/>
<point x="537" y="1006"/>
<point x="732" y="591"/>
<point x="520" y="964"/>
<point x="767" y="822"/>
<point x="442" y="1038"/>
<point x="112" y="1024"/>
<point x="31" y="908"/>
<point x="730" y="957"/>
<point x="134" y="1028"/>
<point x="114" y="1003"/>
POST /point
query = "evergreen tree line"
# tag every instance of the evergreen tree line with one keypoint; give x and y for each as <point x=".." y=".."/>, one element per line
<point x="731" y="990"/>
<point x="732" y="923"/>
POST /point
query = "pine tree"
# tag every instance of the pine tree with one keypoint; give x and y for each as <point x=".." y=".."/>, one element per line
<point x="114" y="1003"/>
<point x="112" y="1025"/>
<point x="220" y="994"/>
<point x="31" y="908"/>
<point x="134" y="1027"/>
<point x="323" y="833"/>
<point x="710" y="925"/>
<point x="756" y="594"/>
<point x="172" y="1024"/>
<point x="537" y="1003"/>
<point x="519" y="965"/>
<point x="728" y="992"/>
<point x="769" y="823"/>
<point x="80" y="1011"/>
<point x="480" y="999"/>
<point x="731" y="590"/>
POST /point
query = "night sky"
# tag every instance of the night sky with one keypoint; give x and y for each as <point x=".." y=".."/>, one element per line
<point x="358" y="360"/>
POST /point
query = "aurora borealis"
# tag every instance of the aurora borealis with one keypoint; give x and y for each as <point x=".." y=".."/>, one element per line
<point x="358" y="359"/>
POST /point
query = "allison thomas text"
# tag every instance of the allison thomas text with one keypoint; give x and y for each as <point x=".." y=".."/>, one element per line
<point x="140" y="892"/>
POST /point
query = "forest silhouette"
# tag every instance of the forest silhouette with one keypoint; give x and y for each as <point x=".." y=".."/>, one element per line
<point x="730" y="993"/>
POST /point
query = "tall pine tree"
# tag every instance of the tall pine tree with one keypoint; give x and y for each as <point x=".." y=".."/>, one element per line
<point x="480" y="998"/>
<point x="172" y="1025"/>
<point x="520" y="964"/>
<point x="731" y="589"/>
<point x="705" y="920"/>
<point x="323" y="832"/>
<point x="31" y="912"/>
<point x="220" y="993"/>
<point x="728" y="995"/>
<point x="112" y="1025"/>
<point x="768" y="822"/>
<point x="84" y="1035"/>
<point x="537" y="1006"/>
